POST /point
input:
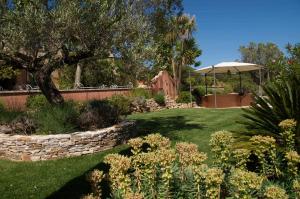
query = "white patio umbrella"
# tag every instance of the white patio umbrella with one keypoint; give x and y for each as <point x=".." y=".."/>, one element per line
<point x="233" y="67"/>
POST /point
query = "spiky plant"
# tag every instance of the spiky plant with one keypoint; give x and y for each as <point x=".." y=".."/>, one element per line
<point x="282" y="101"/>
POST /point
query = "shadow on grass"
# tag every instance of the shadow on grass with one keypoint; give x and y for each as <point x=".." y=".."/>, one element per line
<point x="165" y="126"/>
<point x="79" y="186"/>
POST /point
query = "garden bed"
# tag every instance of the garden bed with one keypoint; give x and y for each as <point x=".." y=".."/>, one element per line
<point x="46" y="147"/>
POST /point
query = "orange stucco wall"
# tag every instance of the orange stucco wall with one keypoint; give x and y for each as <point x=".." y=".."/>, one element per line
<point x="164" y="82"/>
<point x="227" y="100"/>
<point x="17" y="99"/>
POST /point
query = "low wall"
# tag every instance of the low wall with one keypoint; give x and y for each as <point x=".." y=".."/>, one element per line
<point x="17" y="99"/>
<point x="46" y="147"/>
<point x="227" y="100"/>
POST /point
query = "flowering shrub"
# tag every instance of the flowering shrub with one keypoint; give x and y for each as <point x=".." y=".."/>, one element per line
<point x="265" y="150"/>
<point x="288" y="127"/>
<point x="156" y="170"/>
<point x="245" y="184"/>
<point x="221" y="146"/>
<point x="275" y="192"/>
<point x="241" y="157"/>
<point x="293" y="161"/>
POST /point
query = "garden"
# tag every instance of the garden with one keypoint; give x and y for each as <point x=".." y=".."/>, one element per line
<point x="155" y="139"/>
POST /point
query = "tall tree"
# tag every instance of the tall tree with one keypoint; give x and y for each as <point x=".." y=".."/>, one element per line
<point x="41" y="37"/>
<point x="265" y="54"/>
<point x="183" y="48"/>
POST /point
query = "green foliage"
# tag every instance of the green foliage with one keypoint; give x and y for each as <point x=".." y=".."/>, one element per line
<point x="160" y="98"/>
<point x="122" y="104"/>
<point x="281" y="102"/>
<point x="6" y="116"/>
<point x="7" y="72"/>
<point x="55" y="119"/>
<point x="141" y="92"/>
<point x="185" y="97"/>
<point x="98" y="114"/>
<point x="66" y="77"/>
<point x="156" y="169"/>
<point x="198" y="93"/>
<point x="36" y="102"/>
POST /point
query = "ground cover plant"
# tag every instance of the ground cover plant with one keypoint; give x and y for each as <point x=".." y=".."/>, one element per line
<point x="66" y="178"/>
<point x="157" y="170"/>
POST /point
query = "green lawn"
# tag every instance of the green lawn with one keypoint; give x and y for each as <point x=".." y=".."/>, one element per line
<point x="65" y="178"/>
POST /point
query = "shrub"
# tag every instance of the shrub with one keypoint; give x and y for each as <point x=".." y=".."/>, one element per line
<point x="198" y="93"/>
<point x="36" y="102"/>
<point x="6" y="116"/>
<point x="275" y="192"/>
<point x="121" y="103"/>
<point x="156" y="170"/>
<point x="57" y="119"/>
<point x="221" y="145"/>
<point x="245" y="184"/>
<point x="160" y="98"/>
<point x="98" y="114"/>
<point x="141" y="92"/>
<point x="281" y="102"/>
<point x="23" y="124"/>
<point x="185" y="97"/>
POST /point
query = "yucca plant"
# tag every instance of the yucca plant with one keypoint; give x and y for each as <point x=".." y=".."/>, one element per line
<point x="282" y="101"/>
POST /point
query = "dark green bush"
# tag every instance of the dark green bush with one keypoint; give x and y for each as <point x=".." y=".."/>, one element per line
<point x="7" y="116"/>
<point x="57" y="119"/>
<point x="122" y="104"/>
<point x="282" y="102"/>
<point x="141" y="92"/>
<point x="98" y="114"/>
<point x="160" y="98"/>
<point x="185" y="97"/>
<point x="36" y="102"/>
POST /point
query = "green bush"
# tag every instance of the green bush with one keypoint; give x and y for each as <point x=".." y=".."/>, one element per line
<point x="57" y="119"/>
<point x="141" y="92"/>
<point x="122" y="104"/>
<point x="98" y="114"/>
<point x="36" y="102"/>
<point x="156" y="169"/>
<point x="281" y="102"/>
<point x="159" y="98"/>
<point x="185" y="97"/>
<point x="6" y="116"/>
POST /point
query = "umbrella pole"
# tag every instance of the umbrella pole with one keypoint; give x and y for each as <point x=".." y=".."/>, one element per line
<point x="240" y="82"/>
<point x="205" y="84"/>
<point x="215" y="87"/>
<point x="259" y="88"/>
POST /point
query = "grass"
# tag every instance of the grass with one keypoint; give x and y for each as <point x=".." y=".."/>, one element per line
<point x="65" y="178"/>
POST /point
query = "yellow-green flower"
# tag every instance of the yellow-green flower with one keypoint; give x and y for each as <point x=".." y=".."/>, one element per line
<point x="275" y="192"/>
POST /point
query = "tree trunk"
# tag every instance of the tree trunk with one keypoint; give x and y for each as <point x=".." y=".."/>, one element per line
<point x="174" y="69"/>
<point x="77" y="76"/>
<point x="44" y="81"/>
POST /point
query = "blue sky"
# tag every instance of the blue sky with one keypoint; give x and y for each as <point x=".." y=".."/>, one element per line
<point x="224" y="25"/>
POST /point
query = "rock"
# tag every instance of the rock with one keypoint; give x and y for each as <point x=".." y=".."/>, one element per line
<point x="6" y="129"/>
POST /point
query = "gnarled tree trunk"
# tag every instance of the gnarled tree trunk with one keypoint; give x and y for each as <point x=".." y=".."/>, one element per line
<point x="44" y="81"/>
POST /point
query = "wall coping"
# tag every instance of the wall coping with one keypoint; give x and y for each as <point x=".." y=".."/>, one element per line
<point x="18" y="92"/>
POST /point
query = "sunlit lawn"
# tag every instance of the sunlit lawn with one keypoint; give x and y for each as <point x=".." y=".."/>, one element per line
<point x="65" y="178"/>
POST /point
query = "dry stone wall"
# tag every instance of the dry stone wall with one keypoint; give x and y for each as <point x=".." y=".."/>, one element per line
<point x="46" y="147"/>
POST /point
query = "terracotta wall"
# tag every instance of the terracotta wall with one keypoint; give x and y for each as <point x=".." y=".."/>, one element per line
<point x="227" y="100"/>
<point x="164" y="82"/>
<point x="17" y="99"/>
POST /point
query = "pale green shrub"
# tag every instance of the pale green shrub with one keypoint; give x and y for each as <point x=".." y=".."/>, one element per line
<point x="213" y="180"/>
<point x="275" y="192"/>
<point x="245" y="184"/>
<point x="288" y="128"/>
<point x="241" y="157"/>
<point x="293" y="160"/>
<point x="221" y="146"/>
<point x="265" y="150"/>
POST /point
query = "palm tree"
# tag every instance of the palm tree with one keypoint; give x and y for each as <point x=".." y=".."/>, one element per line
<point x="184" y="48"/>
